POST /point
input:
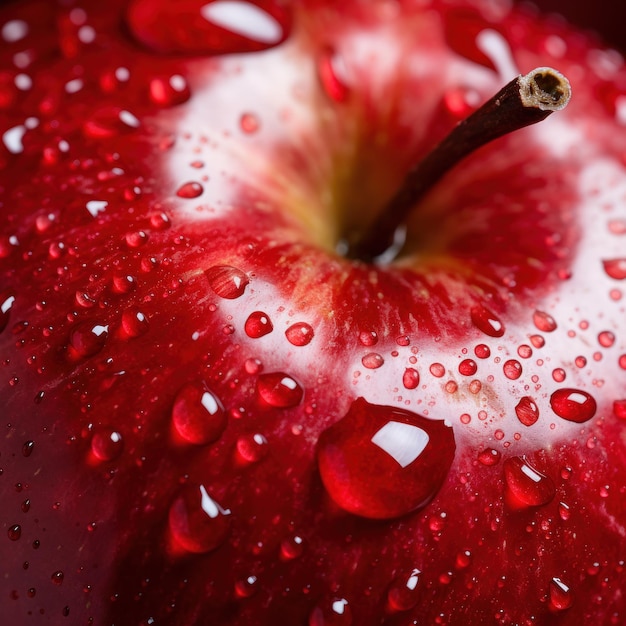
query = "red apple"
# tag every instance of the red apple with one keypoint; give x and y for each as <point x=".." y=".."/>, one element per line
<point x="213" y="413"/>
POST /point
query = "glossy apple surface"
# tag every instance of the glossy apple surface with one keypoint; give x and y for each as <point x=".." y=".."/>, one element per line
<point x="212" y="416"/>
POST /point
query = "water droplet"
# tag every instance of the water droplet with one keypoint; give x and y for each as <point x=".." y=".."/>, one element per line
<point x="403" y="340"/>
<point x="291" y="548"/>
<point x="564" y="511"/>
<point x="404" y="592"/>
<point x="524" y="351"/>
<point x="527" y="411"/>
<point x="331" y="612"/>
<point x="198" y="523"/>
<point x="606" y="338"/>
<point x="124" y="283"/>
<point x="7" y="299"/>
<point x="280" y="390"/>
<point x="299" y="334"/>
<point x="512" y="369"/>
<point x="88" y="339"/>
<point x="134" y="323"/>
<point x="558" y="374"/>
<point x="246" y="587"/>
<point x="107" y="445"/>
<point x="622" y="361"/>
<point x="615" y="268"/>
<point x="252" y="448"/>
<point x="382" y="462"/>
<point x="14" y="532"/>
<point x="368" y="338"/>
<point x="437" y="370"/>
<point x="560" y="595"/>
<point x="191" y="189"/>
<point x="486" y="321"/>
<point x="410" y="378"/>
<point x="218" y="27"/>
<point x="198" y="414"/>
<point x="227" y="281"/>
<point x="482" y="351"/>
<point x="538" y="341"/>
<point x="136" y="239"/>
<point x="258" y="325"/>
<point x="544" y="322"/>
<point x="573" y="405"/>
<point x="27" y="448"/>
<point x="57" y="577"/>
<point x="169" y="91"/>
<point x="468" y="367"/>
<point x="253" y="366"/>
<point x="619" y="408"/>
<point x="110" y="122"/>
<point x="524" y="486"/>
<point x="372" y="361"/>
<point x="249" y="123"/>
<point x="332" y="75"/>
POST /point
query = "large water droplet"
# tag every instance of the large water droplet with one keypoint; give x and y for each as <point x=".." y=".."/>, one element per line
<point x="205" y="27"/>
<point x="573" y="405"/>
<point x="299" y="334"/>
<point x="615" y="268"/>
<point x="197" y="522"/>
<point x="198" y="414"/>
<point x="88" y="339"/>
<point x="524" y="486"/>
<point x="227" y="281"/>
<point x="486" y="321"/>
<point x="279" y="389"/>
<point x="527" y="411"/>
<point x="258" y="324"/>
<point x="383" y="462"/>
<point x="404" y="592"/>
<point x="560" y="595"/>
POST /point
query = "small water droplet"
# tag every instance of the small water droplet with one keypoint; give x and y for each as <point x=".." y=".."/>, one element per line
<point x="580" y="361"/>
<point x="560" y="595"/>
<point x="249" y="123"/>
<point x="134" y="323"/>
<point x="486" y="321"/>
<point x="124" y="283"/>
<point x="299" y="334"/>
<point x="258" y="325"/>
<point x="372" y="361"/>
<point x="437" y="370"/>
<point x="382" y="462"/>
<point x="527" y="411"/>
<point x="227" y="281"/>
<point x="110" y="122"/>
<point x="404" y="591"/>
<point x="512" y="369"/>
<point x="169" y="91"/>
<point x="27" y="448"/>
<point x="252" y="448"/>
<point x="573" y="405"/>
<point x="564" y="511"/>
<point x="606" y="338"/>
<point x="331" y="612"/>
<point x="332" y="75"/>
<point x="14" y="532"/>
<point x="524" y="486"/>
<point x="136" y="239"/>
<point x="88" y="339"/>
<point x="57" y="577"/>
<point x="482" y="351"/>
<point x="291" y="548"/>
<point x="410" y="378"/>
<point x="558" y="374"/>
<point x="189" y="190"/>
<point x="468" y="367"/>
<point x="622" y="361"/>
<point x="524" y="351"/>
<point x="7" y="299"/>
<point x="253" y="366"/>
<point x="544" y="322"/>
<point x="197" y="523"/>
<point x="198" y="414"/>
<point x="246" y="587"/>
<point x="107" y="445"/>
<point x="615" y="268"/>
<point x="279" y="390"/>
<point x="537" y="340"/>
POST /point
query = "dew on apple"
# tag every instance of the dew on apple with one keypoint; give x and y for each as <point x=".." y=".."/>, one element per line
<point x="486" y="321"/>
<point x="606" y="338"/>
<point x="88" y="339"/>
<point x="198" y="415"/>
<point x="410" y="378"/>
<point x="169" y="91"/>
<point x="190" y="189"/>
<point x="107" y="445"/>
<point x="110" y="122"/>
<point x="537" y="340"/>
<point x="525" y="486"/>
<point x="331" y="612"/>
<point x="258" y="325"/>
<point x="482" y="351"/>
<point x="560" y="595"/>
<point x="123" y="283"/>
<point x="524" y="351"/>
<point x="14" y="532"/>
<point x="300" y="334"/>
<point x="573" y="405"/>
<point x="527" y="411"/>
<point x="249" y="123"/>
<point x="559" y="374"/>
<point x="468" y="367"/>
<point x="564" y="511"/>
<point x="227" y="281"/>
<point x="512" y="369"/>
<point x="404" y="591"/>
<point x="437" y="370"/>
<point x="372" y="360"/>
<point x="279" y="390"/>
<point x="7" y="299"/>
<point x="252" y="448"/>
<point x="27" y="448"/>
<point x="197" y="523"/>
<point x="615" y="268"/>
<point x="382" y="462"/>
<point x="253" y="366"/>
<point x="246" y="587"/>
<point x="57" y="577"/>
<point x="292" y="547"/>
<point x="544" y="322"/>
<point x="332" y="74"/>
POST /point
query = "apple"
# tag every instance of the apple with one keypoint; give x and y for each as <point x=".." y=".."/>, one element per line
<point x="222" y="403"/>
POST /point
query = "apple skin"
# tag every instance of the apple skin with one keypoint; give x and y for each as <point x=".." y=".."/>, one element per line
<point x="163" y="421"/>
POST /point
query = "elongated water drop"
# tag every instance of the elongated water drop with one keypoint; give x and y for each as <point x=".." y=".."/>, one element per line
<point x="573" y="405"/>
<point x="526" y="487"/>
<point x="227" y="281"/>
<point x="486" y="321"/>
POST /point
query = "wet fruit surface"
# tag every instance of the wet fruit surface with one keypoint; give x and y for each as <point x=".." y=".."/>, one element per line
<point x="210" y="416"/>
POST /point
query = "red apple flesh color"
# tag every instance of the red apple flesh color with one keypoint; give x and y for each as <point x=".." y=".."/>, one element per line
<point x="212" y="416"/>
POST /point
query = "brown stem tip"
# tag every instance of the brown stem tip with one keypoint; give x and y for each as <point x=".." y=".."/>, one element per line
<point x="524" y="101"/>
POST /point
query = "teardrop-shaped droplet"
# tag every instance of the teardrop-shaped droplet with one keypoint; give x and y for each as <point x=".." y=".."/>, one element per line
<point x="258" y="325"/>
<point x="197" y="523"/>
<point x="487" y="321"/>
<point x="7" y="298"/>
<point x="198" y="414"/>
<point x="404" y="592"/>
<point x="227" y="281"/>
<point x="382" y="462"/>
<point x="299" y="334"/>
<point x="107" y="445"/>
<point x="331" y="612"/>
<point x="14" y="532"/>
<point x="527" y="411"/>
<point x="410" y="378"/>
<point x="204" y="27"/>
<point x="573" y="405"/>
<point x="279" y="389"/>
<point x="88" y="339"/>
<point x="560" y="595"/>
<point x="615" y="268"/>
<point x="544" y="322"/>
<point x="524" y="486"/>
<point x="190" y="190"/>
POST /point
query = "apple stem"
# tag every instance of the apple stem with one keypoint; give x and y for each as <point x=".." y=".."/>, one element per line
<point x="524" y="101"/>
